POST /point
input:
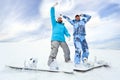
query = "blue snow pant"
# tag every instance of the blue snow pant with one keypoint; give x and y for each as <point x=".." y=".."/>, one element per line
<point x="81" y="49"/>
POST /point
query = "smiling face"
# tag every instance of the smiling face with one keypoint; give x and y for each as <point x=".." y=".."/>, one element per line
<point x="59" y="20"/>
<point x="77" y="17"/>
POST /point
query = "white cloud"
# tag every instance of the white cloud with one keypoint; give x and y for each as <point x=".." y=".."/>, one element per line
<point x="12" y="24"/>
<point x="63" y="6"/>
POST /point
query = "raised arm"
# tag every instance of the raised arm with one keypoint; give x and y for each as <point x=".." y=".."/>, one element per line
<point x="68" y="19"/>
<point x="86" y="17"/>
<point x="52" y="14"/>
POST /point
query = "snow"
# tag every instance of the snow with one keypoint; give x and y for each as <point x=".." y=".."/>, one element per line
<point x="15" y="53"/>
<point x="24" y="34"/>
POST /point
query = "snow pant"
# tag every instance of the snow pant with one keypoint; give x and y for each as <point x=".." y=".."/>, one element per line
<point x="81" y="49"/>
<point x="54" y="50"/>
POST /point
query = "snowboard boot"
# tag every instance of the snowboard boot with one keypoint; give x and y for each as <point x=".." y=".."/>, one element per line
<point x="54" y="65"/>
<point x="86" y="63"/>
<point x="68" y="60"/>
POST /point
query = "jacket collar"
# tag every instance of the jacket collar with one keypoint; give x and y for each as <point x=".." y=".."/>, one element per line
<point x="60" y="23"/>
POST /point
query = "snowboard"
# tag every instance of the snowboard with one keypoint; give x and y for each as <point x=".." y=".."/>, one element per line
<point x="95" y="65"/>
<point x="39" y="70"/>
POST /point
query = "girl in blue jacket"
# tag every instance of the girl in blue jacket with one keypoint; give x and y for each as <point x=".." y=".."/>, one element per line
<point x="59" y="32"/>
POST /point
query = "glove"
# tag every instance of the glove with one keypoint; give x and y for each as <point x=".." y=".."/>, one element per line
<point x="69" y="39"/>
<point x="55" y="4"/>
<point x="81" y="14"/>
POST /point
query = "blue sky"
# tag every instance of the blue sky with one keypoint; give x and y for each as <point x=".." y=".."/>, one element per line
<point x="24" y="20"/>
<point x="112" y="8"/>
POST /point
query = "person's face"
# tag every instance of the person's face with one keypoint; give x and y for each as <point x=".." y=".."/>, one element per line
<point x="59" y="19"/>
<point x="77" y="18"/>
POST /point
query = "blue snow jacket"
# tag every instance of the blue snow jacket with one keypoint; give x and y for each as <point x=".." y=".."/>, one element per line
<point x="58" y="29"/>
<point x="79" y="26"/>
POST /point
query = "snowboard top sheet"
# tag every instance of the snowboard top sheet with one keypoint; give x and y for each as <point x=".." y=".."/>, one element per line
<point x="42" y="70"/>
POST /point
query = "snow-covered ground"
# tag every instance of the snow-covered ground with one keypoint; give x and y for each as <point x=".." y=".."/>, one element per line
<point x="16" y="53"/>
<point x="25" y="27"/>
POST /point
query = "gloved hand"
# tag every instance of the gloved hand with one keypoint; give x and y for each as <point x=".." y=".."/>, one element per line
<point x="55" y="4"/>
<point x="81" y="14"/>
<point x="69" y="39"/>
